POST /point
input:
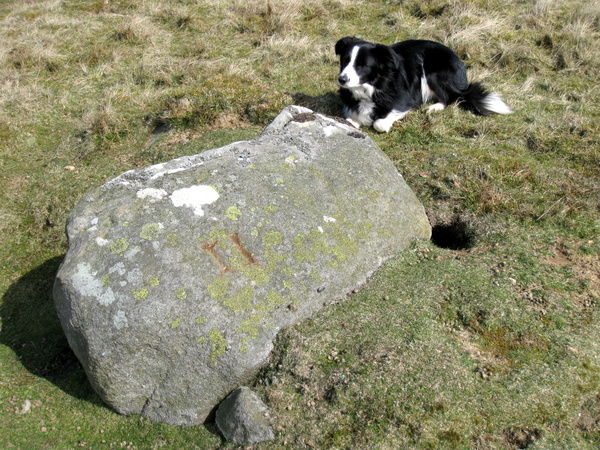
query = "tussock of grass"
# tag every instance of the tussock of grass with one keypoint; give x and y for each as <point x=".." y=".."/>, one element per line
<point x="488" y="340"/>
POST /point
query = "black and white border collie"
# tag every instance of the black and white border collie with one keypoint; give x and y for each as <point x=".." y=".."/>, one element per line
<point x="380" y="84"/>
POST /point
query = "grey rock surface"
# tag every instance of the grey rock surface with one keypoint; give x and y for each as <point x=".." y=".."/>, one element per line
<point x="243" y="418"/>
<point x="179" y="276"/>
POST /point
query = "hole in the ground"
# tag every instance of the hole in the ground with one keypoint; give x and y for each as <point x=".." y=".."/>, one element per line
<point x="455" y="235"/>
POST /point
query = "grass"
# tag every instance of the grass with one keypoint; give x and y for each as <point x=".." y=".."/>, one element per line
<point x="487" y="340"/>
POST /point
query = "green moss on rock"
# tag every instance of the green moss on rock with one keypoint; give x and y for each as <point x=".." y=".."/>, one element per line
<point x="181" y="294"/>
<point x="140" y="294"/>
<point x="218" y="344"/>
<point x="218" y="288"/>
<point x="119" y="246"/>
<point x="233" y="213"/>
<point x="150" y="231"/>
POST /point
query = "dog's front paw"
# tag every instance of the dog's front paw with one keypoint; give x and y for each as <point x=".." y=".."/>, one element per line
<point x="383" y="125"/>
<point x="435" y="107"/>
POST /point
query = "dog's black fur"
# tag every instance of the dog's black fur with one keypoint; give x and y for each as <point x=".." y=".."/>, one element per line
<point x="379" y="84"/>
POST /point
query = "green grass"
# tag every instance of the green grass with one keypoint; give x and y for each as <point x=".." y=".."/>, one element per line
<point x="494" y="344"/>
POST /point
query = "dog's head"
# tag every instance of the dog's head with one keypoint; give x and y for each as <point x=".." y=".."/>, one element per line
<point x="362" y="62"/>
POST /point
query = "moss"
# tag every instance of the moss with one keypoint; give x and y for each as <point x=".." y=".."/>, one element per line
<point x="269" y="209"/>
<point x="316" y="277"/>
<point x="201" y="340"/>
<point x="272" y="238"/>
<point x="218" y="288"/>
<point x="241" y="301"/>
<point x="154" y="281"/>
<point x="302" y="252"/>
<point x="344" y="248"/>
<point x="338" y="239"/>
<point x="218" y="235"/>
<point x="244" y="341"/>
<point x="374" y="195"/>
<point x="105" y="280"/>
<point x="172" y="239"/>
<point x="251" y="325"/>
<point x="255" y="273"/>
<point x="149" y="231"/>
<point x="119" y="246"/>
<point x="218" y="344"/>
<point x="233" y="213"/>
<point x="385" y="233"/>
<point x="175" y="323"/>
<point x="140" y="294"/>
<point x="200" y="320"/>
<point x="274" y="301"/>
<point x="181" y="294"/>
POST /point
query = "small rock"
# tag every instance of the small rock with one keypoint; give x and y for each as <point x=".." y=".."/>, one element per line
<point x="243" y="418"/>
<point x="26" y="408"/>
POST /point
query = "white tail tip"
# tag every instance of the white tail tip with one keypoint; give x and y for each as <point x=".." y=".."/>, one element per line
<point x="493" y="103"/>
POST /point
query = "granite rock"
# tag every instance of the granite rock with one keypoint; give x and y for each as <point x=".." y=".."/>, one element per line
<point x="179" y="276"/>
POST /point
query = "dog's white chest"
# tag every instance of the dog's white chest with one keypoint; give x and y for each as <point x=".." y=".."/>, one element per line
<point x="362" y="114"/>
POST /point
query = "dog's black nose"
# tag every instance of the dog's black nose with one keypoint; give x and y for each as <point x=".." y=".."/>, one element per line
<point x="343" y="79"/>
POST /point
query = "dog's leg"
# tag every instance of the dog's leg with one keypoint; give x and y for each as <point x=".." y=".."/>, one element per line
<point x="434" y="107"/>
<point x="352" y="116"/>
<point x="384" y="125"/>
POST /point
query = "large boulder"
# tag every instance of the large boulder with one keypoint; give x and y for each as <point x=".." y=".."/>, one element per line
<point x="179" y="276"/>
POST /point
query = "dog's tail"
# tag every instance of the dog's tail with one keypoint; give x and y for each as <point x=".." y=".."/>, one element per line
<point x="479" y="101"/>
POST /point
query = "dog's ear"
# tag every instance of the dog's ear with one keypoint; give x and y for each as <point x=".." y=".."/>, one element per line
<point x="386" y="56"/>
<point x="344" y="43"/>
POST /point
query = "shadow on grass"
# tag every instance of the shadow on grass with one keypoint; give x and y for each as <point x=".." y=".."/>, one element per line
<point x="30" y="326"/>
<point x="328" y="103"/>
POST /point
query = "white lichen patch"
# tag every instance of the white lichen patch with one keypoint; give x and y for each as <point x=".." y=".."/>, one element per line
<point x="120" y="320"/>
<point x="94" y="223"/>
<point x="195" y="197"/>
<point x="118" y="268"/>
<point x="134" y="276"/>
<point x="151" y="194"/>
<point x="101" y="242"/>
<point x="132" y="253"/>
<point x="86" y="283"/>
<point x="330" y="130"/>
<point x="329" y="219"/>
